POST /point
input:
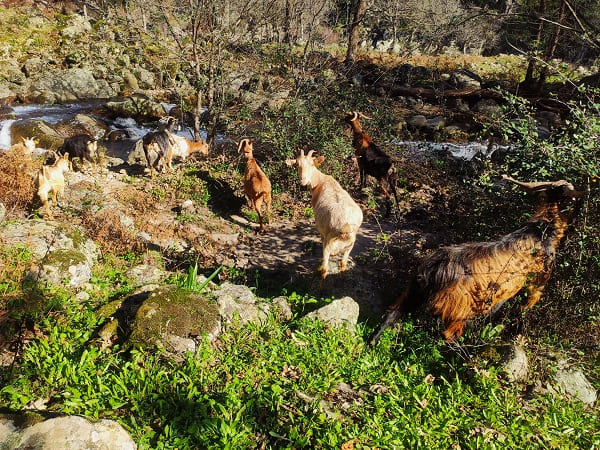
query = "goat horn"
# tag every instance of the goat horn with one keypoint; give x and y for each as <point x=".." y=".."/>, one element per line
<point x="568" y="189"/>
<point x="301" y="152"/>
<point x="365" y="117"/>
<point x="242" y="143"/>
<point x="309" y="154"/>
<point x="354" y="116"/>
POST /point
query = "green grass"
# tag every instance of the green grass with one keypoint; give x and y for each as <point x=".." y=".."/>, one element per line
<point x="268" y="384"/>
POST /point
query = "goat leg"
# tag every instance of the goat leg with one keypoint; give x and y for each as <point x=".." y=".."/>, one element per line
<point x="391" y="315"/>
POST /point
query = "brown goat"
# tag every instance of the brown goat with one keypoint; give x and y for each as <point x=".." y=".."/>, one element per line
<point x="256" y="184"/>
<point x="461" y="282"/>
<point x="370" y="158"/>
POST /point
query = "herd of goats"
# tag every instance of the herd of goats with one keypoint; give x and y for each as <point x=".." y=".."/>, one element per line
<point x="456" y="283"/>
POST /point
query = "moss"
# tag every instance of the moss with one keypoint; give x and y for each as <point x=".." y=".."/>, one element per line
<point x="109" y="309"/>
<point x="65" y="258"/>
<point x="24" y="419"/>
<point x="171" y="310"/>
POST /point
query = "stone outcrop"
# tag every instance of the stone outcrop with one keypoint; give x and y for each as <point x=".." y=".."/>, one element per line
<point x="64" y="433"/>
<point x="61" y="254"/>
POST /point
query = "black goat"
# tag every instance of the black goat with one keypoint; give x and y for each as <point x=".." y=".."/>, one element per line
<point x="370" y="158"/>
<point x="81" y="146"/>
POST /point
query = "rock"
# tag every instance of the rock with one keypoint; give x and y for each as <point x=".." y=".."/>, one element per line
<point x="11" y="72"/>
<point x="82" y="123"/>
<point x="43" y="132"/>
<point x="77" y="25"/>
<point x="283" y="307"/>
<point x="171" y="311"/>
<point x="71" y="432"/>
<point x="130" y="80"/>
<point x="187" y="207"/>
<point x="462" y="80"/>
<point x="62" y="253"/>
<point x="488" y="106"/>
<point x="238" y="303"/>
<point x="137" y="106"/>
<point x="224" y="238"/>
<point x="515" y="364"/>
<point x="340" y="312"/>
<point x="574" y="383"/>
<point x="33" y="66"/>
<point x="436" y="123"/>
<point x="7" y="94"/>
<point x="145" y="78"/>
<point x="146" y="274"/>
<point x="2" y="212"/>
<point x="64" y="86"/>
<point x="417" y="121"/>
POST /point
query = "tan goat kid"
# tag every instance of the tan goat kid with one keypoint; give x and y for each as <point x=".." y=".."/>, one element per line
<point x="51" y="180"/>
<point x="183" y="148"/>
<point x="337" y="216"/>
<point x="256" y="184"/>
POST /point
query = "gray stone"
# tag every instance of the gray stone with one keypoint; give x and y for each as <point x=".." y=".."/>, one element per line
<point x="33" y="66"/>
<point x="2" y="212"/>
<point x="171" y="311"/>
<point x="66" y="433"/>
<point x="515" y="364"/>
<point x="283" y="307"/>
<point x="146" y="274"/>
<point x="82" y="123"/>
<point x="417" y="121"/>
<point x="77" y="25"/>
<point x="238" y="303"/>
<point x="488" y="106"/>
<point x="63" y="86"/>
<point x="187" y="207"/>
<point x="136" y="155"/>
<point x="436" y="123"/>
<point x="62" y="253"/>
<point x="145" y="78"/>
<point x="464" y="81"/>
<point x="340" y="312"/>
<point x="11" y="72"/>
<point x="137" y="106"/>
<point x="6" y="93"/>
<point x="224" y="238"/>
<point x="574" y="383"/>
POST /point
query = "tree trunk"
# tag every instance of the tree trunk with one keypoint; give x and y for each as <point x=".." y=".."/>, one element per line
<point x="287" y="25"/>
<point x="359" y="14"/>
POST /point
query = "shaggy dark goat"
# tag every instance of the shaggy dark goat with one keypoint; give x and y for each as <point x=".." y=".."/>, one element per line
<point x="370" y="158"/>
<point x="160" y="143"/>
<point x="81" y="146"/>
<point x="461" y="282"/>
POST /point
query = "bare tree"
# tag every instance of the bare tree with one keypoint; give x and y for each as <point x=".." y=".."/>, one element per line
<point x="360" y="8"/>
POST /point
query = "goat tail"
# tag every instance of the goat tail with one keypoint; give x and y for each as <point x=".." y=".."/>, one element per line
<point x="391" y="315"/>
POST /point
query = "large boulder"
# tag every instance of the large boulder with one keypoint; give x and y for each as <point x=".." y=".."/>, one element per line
<point x="64" y="86"/>
<point x="77" y="25"/>
<point x="173" y="318"/>
<point x="64" y="433"/>
<point x="10" y="71"/>
<point x="83" y="123"/>
<point x="138" y="106"/>
<point x="43" y="132"/>
<point x="61" y="253"/>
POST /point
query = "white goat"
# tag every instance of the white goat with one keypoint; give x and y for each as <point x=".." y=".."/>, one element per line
<point x="337" y="216"/>
<point x="184" y="147"/>
<point x="51" y="180"/>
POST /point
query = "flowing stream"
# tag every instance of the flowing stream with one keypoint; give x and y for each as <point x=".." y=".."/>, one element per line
<point x="56" y="113"/>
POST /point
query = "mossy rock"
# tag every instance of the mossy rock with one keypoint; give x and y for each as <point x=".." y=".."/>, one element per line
<point x="45" y="133"/>
<point x="172" y="311"/>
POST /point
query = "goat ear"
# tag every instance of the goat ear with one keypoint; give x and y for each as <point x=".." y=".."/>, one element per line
<point x="290" y="162"/>
<point x="318" y="161"/>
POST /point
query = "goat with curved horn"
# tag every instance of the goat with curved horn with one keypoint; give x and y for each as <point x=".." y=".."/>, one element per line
<point x="461" y="282"/>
